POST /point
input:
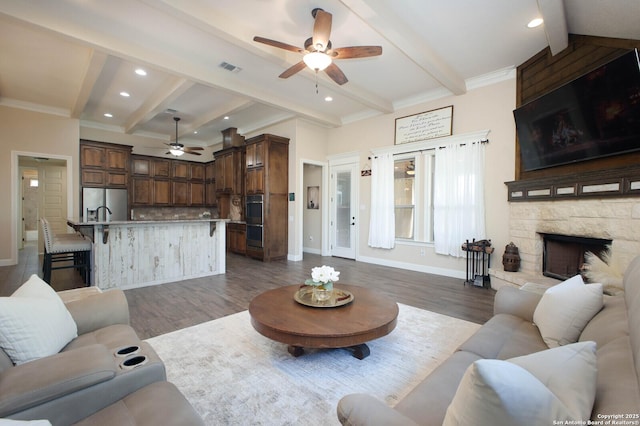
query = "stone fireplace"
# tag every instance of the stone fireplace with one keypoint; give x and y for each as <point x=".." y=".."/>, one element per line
<point x="614" y="220"/>
<point x="563" y="255"/>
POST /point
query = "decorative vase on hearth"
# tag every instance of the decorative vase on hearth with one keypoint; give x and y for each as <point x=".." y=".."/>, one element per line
<point x="511" y="258"/>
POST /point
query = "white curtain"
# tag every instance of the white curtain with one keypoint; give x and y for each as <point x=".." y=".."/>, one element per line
<point x="382" y="226"/>
<point x="458" y="197"/>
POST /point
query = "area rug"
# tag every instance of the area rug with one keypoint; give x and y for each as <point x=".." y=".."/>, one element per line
<point x="232" y="375"/>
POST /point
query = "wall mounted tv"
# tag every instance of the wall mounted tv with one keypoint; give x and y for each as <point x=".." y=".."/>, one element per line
<point x="595" y="115"/>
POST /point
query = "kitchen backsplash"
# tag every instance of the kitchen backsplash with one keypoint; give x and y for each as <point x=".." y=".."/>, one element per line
<point x="160" y="213"/>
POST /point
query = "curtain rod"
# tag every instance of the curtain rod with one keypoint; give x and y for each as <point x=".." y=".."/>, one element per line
<point x="439" y="147"/>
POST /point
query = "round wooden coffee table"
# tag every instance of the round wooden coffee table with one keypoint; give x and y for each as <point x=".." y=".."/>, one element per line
<point x="276" y="315"/>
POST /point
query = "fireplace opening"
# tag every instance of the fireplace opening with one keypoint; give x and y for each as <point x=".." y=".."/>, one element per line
<point x="563" y="255"/>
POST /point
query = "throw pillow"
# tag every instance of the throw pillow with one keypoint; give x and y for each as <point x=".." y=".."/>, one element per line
<point x="34" y="322"/>
<point x="565" y="309"/>
<point x="558" y="384"/>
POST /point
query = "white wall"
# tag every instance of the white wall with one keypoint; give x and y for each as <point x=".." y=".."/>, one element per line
<point x="31" y="132"/>
<point x="488" y="107"/>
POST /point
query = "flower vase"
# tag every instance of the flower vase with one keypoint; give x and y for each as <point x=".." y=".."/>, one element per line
<point x="322" y="293"/>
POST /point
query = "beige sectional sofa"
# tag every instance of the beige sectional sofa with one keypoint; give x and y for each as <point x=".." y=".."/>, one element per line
<point x="104" y="376"/>
<point x="512" y="333"/>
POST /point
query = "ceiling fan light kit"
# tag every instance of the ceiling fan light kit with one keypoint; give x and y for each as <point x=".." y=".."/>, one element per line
<point x="177" y="149"/>
<point x="318" y="51"/>
<point x="317" y="61"/>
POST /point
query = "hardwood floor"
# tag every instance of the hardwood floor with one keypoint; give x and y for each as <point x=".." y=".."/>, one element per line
<point x="163" y="308"/>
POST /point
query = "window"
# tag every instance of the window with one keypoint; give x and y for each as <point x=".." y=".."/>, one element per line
<point x="413" y="196"/>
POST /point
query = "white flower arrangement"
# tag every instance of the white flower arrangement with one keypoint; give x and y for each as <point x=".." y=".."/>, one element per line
<point x="323" y="276"/>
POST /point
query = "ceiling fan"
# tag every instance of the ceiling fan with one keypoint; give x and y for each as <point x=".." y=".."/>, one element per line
<point x="318" y="51"/>
<point x="177" y="149"/>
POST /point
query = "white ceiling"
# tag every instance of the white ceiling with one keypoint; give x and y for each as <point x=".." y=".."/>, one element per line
<point x="74" y="57"/>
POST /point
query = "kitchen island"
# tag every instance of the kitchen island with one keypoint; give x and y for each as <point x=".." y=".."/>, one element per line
<point x="131" y="254"/>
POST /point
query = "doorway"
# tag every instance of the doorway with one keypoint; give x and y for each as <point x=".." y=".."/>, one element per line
<point x="51" y="198"/>
<point x="344" y="220"/>
<point x="313" y="208"/>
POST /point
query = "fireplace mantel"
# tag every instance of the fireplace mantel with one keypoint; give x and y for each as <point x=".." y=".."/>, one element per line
<point x="623" y="182"/>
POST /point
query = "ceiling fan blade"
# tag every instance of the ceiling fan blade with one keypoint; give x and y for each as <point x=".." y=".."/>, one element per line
<point x="293" y="69"/>
<point x="321" y="29"/>
<point x="336" y="74"/>
<point x="186" y="151"/>
<point x="278" y="44"/>
<point x="193" y="148"/>
<point x="356" y="52"/>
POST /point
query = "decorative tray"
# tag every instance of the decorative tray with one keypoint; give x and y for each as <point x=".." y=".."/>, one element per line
<point x="340" y="297"/>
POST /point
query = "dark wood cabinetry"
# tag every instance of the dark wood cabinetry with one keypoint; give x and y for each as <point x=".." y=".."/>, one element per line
<point x="237" y="237"/>
<point x="210" y="184"/>
<point x="165" y="182"/>
<point x="267" y="174"/>
<point x="104" y="165"/>
<point x="229" y="170"/>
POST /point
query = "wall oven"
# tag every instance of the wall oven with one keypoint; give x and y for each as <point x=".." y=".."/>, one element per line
<point x="254" y="214"/>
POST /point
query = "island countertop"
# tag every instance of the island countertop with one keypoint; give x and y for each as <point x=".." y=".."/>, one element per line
<point x="74" y="221"/>
<point x="137" y="253"/>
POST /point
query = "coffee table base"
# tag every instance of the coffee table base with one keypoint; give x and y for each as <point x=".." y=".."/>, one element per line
<point x="358" y="351"/>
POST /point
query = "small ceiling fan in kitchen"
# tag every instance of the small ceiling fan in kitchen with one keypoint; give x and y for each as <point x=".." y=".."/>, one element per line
<point x="319" y="54"/>
<point x="177" y="149"/>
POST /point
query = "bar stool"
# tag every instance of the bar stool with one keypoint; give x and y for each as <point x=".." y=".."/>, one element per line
<point x="65" y="248"/>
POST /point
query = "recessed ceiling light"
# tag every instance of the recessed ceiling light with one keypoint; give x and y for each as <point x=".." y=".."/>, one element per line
<point x="226" y="117"/>
<point x="108" y="115"/>
<point x="124" y="94"/>
<point x="140" y="71"/>
<point x="535" y="23"/>
<point x="328" y="98"/>
<point x="195" y="132"/>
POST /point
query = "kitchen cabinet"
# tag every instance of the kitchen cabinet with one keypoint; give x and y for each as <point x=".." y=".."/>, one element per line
<point x="165" y="182"/>
<point x="197" y="171"/>
<point x="229" y="170"/>
<point x="237" y="237"/>
<point x="179" y="193"/>
<point x="196" y="194"/>
<point x="179" y="169"/>
<point x="161" y="192"/>
<point x="267" y="174"/>
<point x="161" y="168"/>
<point x="141" y="166"/>
<point x="210" y="184"/>
<point x="255" y="180"/>
<point x="142" y="191"/>
<point x="104" y="165"/>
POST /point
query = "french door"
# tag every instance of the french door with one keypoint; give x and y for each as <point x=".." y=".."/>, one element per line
<point x="343" y="210"/>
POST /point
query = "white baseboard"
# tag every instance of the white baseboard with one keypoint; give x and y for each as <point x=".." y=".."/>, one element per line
<point x="311" y="250"/>
<point x="294" y="257"/>
<point x="414" y="267"/>
<point x="7" y="262"/>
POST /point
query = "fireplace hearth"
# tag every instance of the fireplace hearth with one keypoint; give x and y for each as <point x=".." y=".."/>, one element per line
<point x="563" y="255"/>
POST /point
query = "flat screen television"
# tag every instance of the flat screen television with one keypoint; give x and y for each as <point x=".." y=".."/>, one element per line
<point x="593" y="116"/>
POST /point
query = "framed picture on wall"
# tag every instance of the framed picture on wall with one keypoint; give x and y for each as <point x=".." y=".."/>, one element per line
<point x="426" y="125"/>
<point x="313" y="197"/>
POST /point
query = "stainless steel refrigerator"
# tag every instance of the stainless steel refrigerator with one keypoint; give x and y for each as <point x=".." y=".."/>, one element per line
<point x="113" y="199"/>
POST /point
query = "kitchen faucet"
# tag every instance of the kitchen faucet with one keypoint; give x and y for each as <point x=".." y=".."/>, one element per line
<point x="102" y="207"/>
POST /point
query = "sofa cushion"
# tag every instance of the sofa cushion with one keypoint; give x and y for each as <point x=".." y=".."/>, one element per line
<point x="565" y="309"/>
<point x="617" y="386"/>
<point x="113" y="337"/>
<point x="609" y="324"/>
<point x="427" y="403"/>
<point x="553" y="385"/>
<point x="505" y="336"/>
<point x="34" y="322"/>
<point x="159" y="403"/>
